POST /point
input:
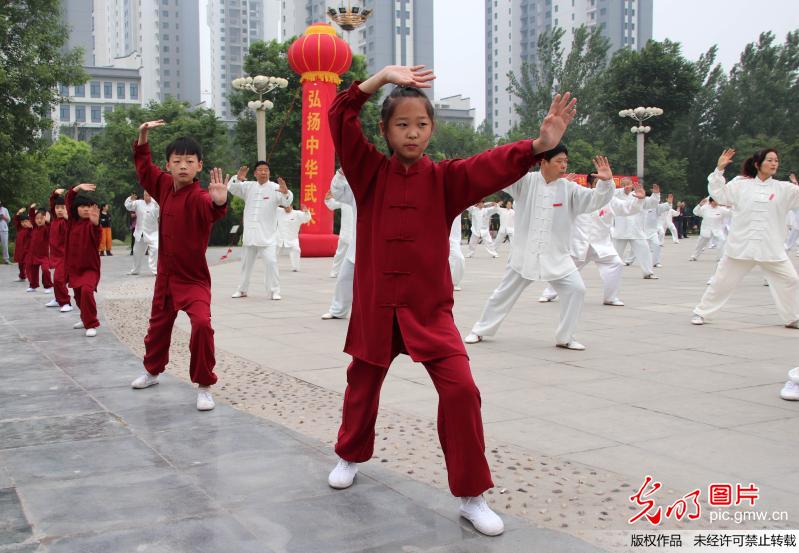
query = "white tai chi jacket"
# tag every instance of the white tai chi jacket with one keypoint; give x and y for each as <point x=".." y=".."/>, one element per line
<point x="342" y="193"/>
<point x="667" y="216"/>
<point x="506" y="218"/>
<point x="712" y="220"/>
<point x="260" y="210"/>
<point x="481" y="218"/>
<point x="634" y="227"/>
<point x="347" y="227"/>
<point x="147" y="215"/>
<point x="593" y="229"/>
<point x="541" y="247"/>
<point x="288" y="226"/>
<point x="757" y="231"/>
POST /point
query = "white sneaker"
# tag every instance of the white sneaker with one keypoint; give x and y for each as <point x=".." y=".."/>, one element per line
<point x="657" y="265"/>
<point x="29" y="290"/>
<point x="484" y="520"/>
<point x="91" y="332"/>
<point x="133" y="272"/>
<point x="238" y="294"/>
<point x="78" y="325"/>
<point x="692" y="258"/>
<point x="794" y="324"/>
<point x="545" y="299"/>
<point x="205" y="401"/>
<point x="276" y="295"/>
<point x="572" y="344"/>
<point x="51" y="303"/>
<point x="651" y="276"/>
<point x="495" y="255"/>
<point x="333" y="274"/>
<point x="19" y="279"/>
<point x="144" y="381"/>
<point x="790" y="391"/>
<point x="615" y="302"/>
<point x="473" y="338"/>
<point x="328" y="316"/>
<point x="697" y="320"/>
<point x="793" y="375"/>
<point x="342" y="475"/>
<point x="66" y="308"/>
<point x="457" y="288"/>
<point x="709" y="281"/>
<point x="46" y="290"/>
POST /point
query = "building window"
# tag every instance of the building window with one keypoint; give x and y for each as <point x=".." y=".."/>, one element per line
<point x="121" y="91"/>
<point x="108" y="108"/>
<point x="134" y="91"/>
<point x="64" y="112"/>
<point x="108" y="90"/>
<point x="96" y="114"/>
<point x="94" y="89"/>
<point x="80" y="90"/>
<point x="80" y="114"/>
<point x="63" y="90"/>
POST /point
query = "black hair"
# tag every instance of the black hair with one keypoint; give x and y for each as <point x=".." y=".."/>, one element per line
<point x="751" y="165"/>
<point x="261" y="162"/>
<point x="59" y="200"/>
<point x="390" y="104"/>
<point x="41" y="210"/>
<point x="590" y="179"/>
<point x="80" y="201"/>
<point x="23" y="217"/>
<point x="559" y="149"/>
<point x="184" y="146"/>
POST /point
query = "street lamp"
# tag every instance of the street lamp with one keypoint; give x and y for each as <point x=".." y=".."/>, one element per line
<point x="262" y="86"/>
<point x="640" y="114"/>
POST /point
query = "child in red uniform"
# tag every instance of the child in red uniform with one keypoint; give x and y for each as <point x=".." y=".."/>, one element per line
<point x="58" y="239"/>
<point x="82" y="257"/>
<point x="39" y="254"/>
<point x="22" y="242"/>
<point x="183" y="283"/>
<point x="403" y="288"/>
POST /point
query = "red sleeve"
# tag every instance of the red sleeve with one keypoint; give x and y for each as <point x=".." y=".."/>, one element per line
<point x="32" y="214"/>
<point x="70" y="199"/>
<point x="95" y="236"/>
<point x="360" y="160"/>
<point x="16" y="221"/>
<point x="151" y="177"/>
<point x="209" y="211"/>
<point x="469" y="180"/>
<point x="52" y="202"/>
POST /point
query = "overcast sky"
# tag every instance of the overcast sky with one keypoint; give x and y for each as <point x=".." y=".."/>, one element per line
<point x="696" y="24"/>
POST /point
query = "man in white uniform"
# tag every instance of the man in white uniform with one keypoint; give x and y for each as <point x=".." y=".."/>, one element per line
<point x="712" y="215"/>
<point x="342" y="296"/>
<point x="591" y="242"/>
<point x="4" y="219"/>
<point x="632" y="230"/>
<point x="793" y="224"/>
<point x="346" y="230"/>
<point x="480" y="215"/>
<point x="546" y="207"/>
<point x="506" y="221"/>
<point x="457" y="262"/>
<point x="289" y="221"/>
<point x="261" y="199"/>
<point x="146" y="232"/>
<point x="652" y="226"/>
<point x="667" y="222"/>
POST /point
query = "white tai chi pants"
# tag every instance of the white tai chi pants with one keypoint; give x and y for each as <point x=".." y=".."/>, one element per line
<point x="294" y="255"/>
<point x="640" y="249"/>
<point x="781" y="276"/>
<point x="703" y="242"/>
<point x="457" y="263"/>
<point x="570" y="288"/>
<point x="610" y="271"/>
<point x="4" y="244"/>
<point x="655" y="246"/>
<point x="790" y="242"/>
<point x="485" y="238"/>
<point x="675" y="237"/>
<point x="340" y="255"/>
<point x="139" y="248"/>
<point x="342" y="296"/>
<point x="502" y="233"/>
<point x="271" y="274"/>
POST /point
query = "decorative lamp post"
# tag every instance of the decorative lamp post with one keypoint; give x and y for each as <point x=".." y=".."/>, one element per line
<point x="640" y="114"/>
<point x="349" y="18"/>
<point x="262" y="86"/>
<point x="320" y="57"/>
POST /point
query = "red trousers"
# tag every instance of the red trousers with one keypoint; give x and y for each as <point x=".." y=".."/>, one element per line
<point x="84" y="299"/>
<point x="33" y="275"/>
<point x="460" y="426"/>
<point x="60" y="284"/>
<point x="201" y="343"/>
<point x="23" y="270"/>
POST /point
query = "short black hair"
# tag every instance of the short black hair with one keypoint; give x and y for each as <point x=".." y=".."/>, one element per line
<point x="59" y="200"/>
<point x="23" y="217"/>
<point x="184" y="146"/>
<point x="261" y="162"/>
<point x="80" y="201"/>
<point x="41" y="210"/>
<point x="589" y="179"/>
<point x="559" y="149"/>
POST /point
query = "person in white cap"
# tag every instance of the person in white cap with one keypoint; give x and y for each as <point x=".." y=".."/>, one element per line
<point x="145" y="234"/>
<point x="346" y="230"/>
<point x="546" y="207"/>
<point x="631" y="230"/>
<point x="480" y="215"/>
<point x="341" y="192"/>
<point x="261" y="200"/>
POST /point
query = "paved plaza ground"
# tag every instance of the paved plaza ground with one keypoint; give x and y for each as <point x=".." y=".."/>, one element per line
<point x="87" y="464"/>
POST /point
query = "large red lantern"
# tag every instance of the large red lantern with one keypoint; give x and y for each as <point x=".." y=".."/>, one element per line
<point x="320" y="57"/>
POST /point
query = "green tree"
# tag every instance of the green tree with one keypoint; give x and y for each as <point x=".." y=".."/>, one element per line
<point x="456" y="140"/>
<point x="69" y="162"/>
<point x="32" y="63"/>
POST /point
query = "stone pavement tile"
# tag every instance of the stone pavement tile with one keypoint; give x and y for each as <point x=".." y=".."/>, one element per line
<point x="713" y="409"/>
<point x="757" y="372"/>
<point x="623" y="389"/>
<point x="544" y="400"/>
<point x="14" y="528"/>
<point x="625" y="424"/>
<point x="331" y="379"/>
<point x="545" y="436"/>
<point x="553" y="374"/>
<point x="143" y="498"/>
<point x="27" y="405"/>
<point x="68" y="428"/>
<point x="145" y="421"/>
<point x="775" y="431"/>
<point x="428" y="410"/>
<point x="766" y="394"/>
<point x="771" y="348"/>
<point x="296" y="363"/>
<point x="700" y="380"/>
<point x="209" y="534"/>
<point x="523" y="540"/>
<point x="121" y="397"/>
<point x="64" y="461"/>
<point x="398" y="390"/>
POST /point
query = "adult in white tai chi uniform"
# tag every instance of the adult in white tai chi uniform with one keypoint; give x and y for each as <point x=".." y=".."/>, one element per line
<point x="342" y="296"/>
<point x="289" y="221"/>
<point x="261" y="199"/>
<point x="345" y="232"/>
<point x="506" y="223"/>
<point x="760" y="205"/>
<point x="713" y="216"/>
<point x="546" y="206"/>
<point x="480" y="215"/>
<point x="793" y="224"/>
<point x="457" y="262"/>
<point x="652" y="227"/>
<point x="667" y="222"/>
<point x="591" y="242"/>
<point x="146" y="232"/>
<point x="631" y="230"/>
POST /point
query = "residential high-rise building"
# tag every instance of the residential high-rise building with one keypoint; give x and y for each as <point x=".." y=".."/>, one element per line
<point x="514" y="26"/>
